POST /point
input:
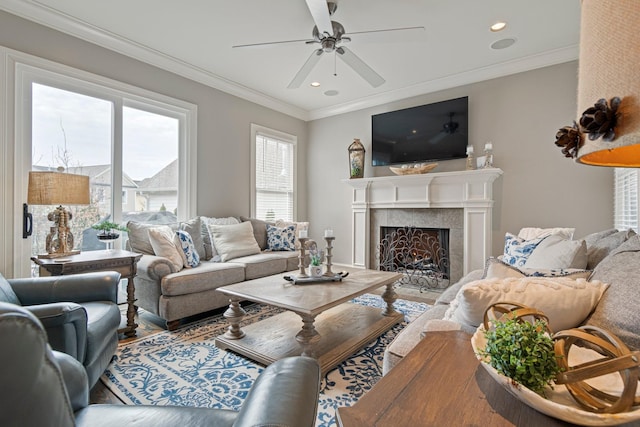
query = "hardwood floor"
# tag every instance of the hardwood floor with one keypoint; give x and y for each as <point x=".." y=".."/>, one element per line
<point x="150" y="324"/>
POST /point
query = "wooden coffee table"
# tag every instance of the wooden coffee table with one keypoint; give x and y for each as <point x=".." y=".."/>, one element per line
<point x="319" y="321"/>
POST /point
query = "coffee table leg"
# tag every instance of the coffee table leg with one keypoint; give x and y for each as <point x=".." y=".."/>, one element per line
<point x="389" y="296"/>
<point x="308" y="336"/>
<point x="234" y="315"/>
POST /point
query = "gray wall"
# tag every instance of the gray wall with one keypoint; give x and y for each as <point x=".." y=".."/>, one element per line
<point x="224" y="121"/>
<point x="520" y="114"/>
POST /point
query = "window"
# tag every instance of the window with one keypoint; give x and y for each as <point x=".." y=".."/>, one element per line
<point x="626" y="198"/>
<point x="273" y="166"/>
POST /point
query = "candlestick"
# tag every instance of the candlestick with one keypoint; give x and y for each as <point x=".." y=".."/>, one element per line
<point x="328" y="255"/>
<point x="301" y="257"/>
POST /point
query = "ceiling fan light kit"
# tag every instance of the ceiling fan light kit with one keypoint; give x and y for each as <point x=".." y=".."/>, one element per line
<point x="331" y="35"/>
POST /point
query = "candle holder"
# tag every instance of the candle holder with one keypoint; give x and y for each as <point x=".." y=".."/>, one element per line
<point x="301" y="257"/>
<point x="329" y="240"/>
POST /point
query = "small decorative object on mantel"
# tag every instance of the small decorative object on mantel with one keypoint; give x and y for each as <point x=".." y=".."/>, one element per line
<point x="356" y="159"/>
<point x="470" y="160"/>
<point x="488" y="155"/>
<point x="418" y="168"/>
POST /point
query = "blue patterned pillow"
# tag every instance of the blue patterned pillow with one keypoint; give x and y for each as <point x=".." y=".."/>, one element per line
<point x="281" y="239"/>
<point x="517" y="250"/>
<point x="191" y="257"/>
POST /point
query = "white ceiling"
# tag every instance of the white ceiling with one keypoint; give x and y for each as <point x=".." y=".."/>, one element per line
<point x="194" y="38"/>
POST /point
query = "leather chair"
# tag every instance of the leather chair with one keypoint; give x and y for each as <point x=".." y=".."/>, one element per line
<point x="79" y="313"/>
<point x="40" y="387"/>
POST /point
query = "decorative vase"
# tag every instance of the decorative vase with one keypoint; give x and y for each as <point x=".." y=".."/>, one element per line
<point x="315" y="270"/>
<point x="356" y="159"/>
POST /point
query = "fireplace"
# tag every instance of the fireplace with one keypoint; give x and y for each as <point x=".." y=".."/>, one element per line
<point x="421" y="254"/>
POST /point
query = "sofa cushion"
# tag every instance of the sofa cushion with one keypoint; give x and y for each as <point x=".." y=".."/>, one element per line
<point x="600" y="248"/>
<point x="498" y="269"/>
<point x="566" y="302"/>
<point x="163" y="243"/>
<point x="259" y="230"/>
<point x="208" y="275"/>
<point x="210" y="249"/>
<point x="517" y="250"/>
<point x="234" y="240"/>
<point x="261" y="265"/>
<point x="619" y="309"/>
<point x="190" y="256"/>
<point x="450" y="293"/>
<point x="557" y="252"/>
<point x="281" y="238"/>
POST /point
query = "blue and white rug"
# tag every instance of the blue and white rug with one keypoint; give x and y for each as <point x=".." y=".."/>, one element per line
<point x="184" y="367"/>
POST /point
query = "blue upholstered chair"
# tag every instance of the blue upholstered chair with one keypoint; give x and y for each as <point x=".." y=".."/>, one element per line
<point x="79" y="313"/>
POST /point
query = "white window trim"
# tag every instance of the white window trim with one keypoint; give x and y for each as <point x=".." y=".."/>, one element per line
<point x="18" y="68"/>
<point x="292" y="139"/>
<point x="625" y="207"/>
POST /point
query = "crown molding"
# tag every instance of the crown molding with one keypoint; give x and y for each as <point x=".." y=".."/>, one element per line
<point x="41" y="14"/>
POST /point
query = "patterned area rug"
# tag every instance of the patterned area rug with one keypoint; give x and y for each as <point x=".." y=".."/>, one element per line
<point x="184" y="367"/>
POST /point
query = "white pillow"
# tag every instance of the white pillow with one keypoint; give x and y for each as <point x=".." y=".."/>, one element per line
<point x="163" y="244"/>
<point x="217" y="221"/>
<point x="234" y="240"/>
<point x="566" y="302"/>
<point x="497" y="269"/>
<point x="529" y="233"/>
<point x="557" y="252"/>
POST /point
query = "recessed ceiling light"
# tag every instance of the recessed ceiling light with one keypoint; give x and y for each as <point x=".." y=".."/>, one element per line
<point x="498" y="26"/>
<point x="331" y="92"/>
<point x="315" y="84"/>
<point x="503" y="43"/>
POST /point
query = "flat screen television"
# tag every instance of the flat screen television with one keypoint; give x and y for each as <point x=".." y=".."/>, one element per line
<point x="427" y="133"/>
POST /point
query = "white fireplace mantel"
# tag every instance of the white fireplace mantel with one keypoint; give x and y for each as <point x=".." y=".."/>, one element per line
<point x="471" y="191"/>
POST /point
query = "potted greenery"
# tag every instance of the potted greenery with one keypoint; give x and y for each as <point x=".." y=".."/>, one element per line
<point x="108" y="230"/>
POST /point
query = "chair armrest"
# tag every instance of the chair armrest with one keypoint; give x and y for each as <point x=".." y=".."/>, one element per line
<point x="98" y="286"/>
<point x="66" y="326"/>
<point x="154" y="268"/>
<point x="75" y="380"/>
<point x="285" y="394"/>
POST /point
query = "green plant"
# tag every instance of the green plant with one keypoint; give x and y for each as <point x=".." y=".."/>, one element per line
<point x="107" y="227"/>
<point x="524" y="352"/>
<point x="315" y="256"/>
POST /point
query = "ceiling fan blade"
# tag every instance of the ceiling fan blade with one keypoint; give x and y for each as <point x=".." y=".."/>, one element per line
<point x="387" y="30"/>
<point x="306" y="69"/>
<point x="320" y="13"/>
<point x="274" y="43"/>
<point x="360" y="67"/>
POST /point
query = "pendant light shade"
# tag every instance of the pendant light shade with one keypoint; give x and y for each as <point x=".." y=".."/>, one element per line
<point x="608" y="68"/>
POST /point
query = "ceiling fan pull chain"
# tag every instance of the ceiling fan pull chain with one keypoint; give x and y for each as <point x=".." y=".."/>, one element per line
<point x="335" y="66"/>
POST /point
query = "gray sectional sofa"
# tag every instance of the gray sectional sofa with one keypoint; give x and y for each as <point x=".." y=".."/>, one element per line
<point x="613" y="258"/>
<point x="174" y="294"/>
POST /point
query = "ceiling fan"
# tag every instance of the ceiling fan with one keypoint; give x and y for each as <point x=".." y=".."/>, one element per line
<point x="448" y="128"/>
<point x="331" y="35"/>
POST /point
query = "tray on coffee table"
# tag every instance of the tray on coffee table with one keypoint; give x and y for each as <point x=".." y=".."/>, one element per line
<point x="307" y="280"/>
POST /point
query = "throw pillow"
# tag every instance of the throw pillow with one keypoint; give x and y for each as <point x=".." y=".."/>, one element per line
<point x="566" y="302"/>
<point x="529" y="233"/>
<point x="557" y="252"/>
<point x="194" y="228"/>
<point x="259" y="230"/>
<point x="597" y="251"/>
<point x="298" y="225"/>
<point x="191" y="257"/>
<point x="209" y="247"/>
<point x="281" y="239"/>
<point x="139" y="237"/>
<point x="163" y="243"/>
<point x="497" y="269"/>
<point x="619" y="310"/>
<point x="517" y="250"/>
<point x="234" y="240"/>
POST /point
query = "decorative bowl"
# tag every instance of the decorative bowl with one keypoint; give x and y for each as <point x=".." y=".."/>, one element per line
<point x="559" y="403"/>
<point x="415" y="170"/>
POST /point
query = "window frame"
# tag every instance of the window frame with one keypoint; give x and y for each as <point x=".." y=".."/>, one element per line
<point x="283" y="137"/>
<point x="22" y="70"/>
<point x="626" y="203"/>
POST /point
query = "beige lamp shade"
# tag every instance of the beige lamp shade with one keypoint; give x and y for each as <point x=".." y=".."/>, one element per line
<point x="57" y="188"/>
<point x="608" y="68"/>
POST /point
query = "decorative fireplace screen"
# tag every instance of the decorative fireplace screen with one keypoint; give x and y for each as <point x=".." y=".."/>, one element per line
<point x="421" y="254"/>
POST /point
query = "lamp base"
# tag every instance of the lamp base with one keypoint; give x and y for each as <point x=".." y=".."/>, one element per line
<point x="59" y="241"/>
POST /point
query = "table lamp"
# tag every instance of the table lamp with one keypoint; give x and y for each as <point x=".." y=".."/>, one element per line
<point x="58" y="188"/>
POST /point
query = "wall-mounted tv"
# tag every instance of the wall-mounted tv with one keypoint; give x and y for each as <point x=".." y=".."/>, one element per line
<point x="426" y="133"/>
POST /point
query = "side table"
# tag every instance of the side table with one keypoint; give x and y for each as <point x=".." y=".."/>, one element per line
<point x="124" y="262"/>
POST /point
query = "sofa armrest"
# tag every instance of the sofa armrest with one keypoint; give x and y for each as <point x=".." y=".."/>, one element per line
<point x="66" y="326"/>
<point x="97" y="286"/>
<point x="438" y="325"/>
<point x="154" y="268"/>
<point x="285" y="394"/>
<point x="75" y="380"/>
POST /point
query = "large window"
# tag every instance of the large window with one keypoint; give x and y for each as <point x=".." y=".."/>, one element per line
<point x="626" y="199"/>
<point x="274" y="172"/>
<point x="137" y="147"/>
